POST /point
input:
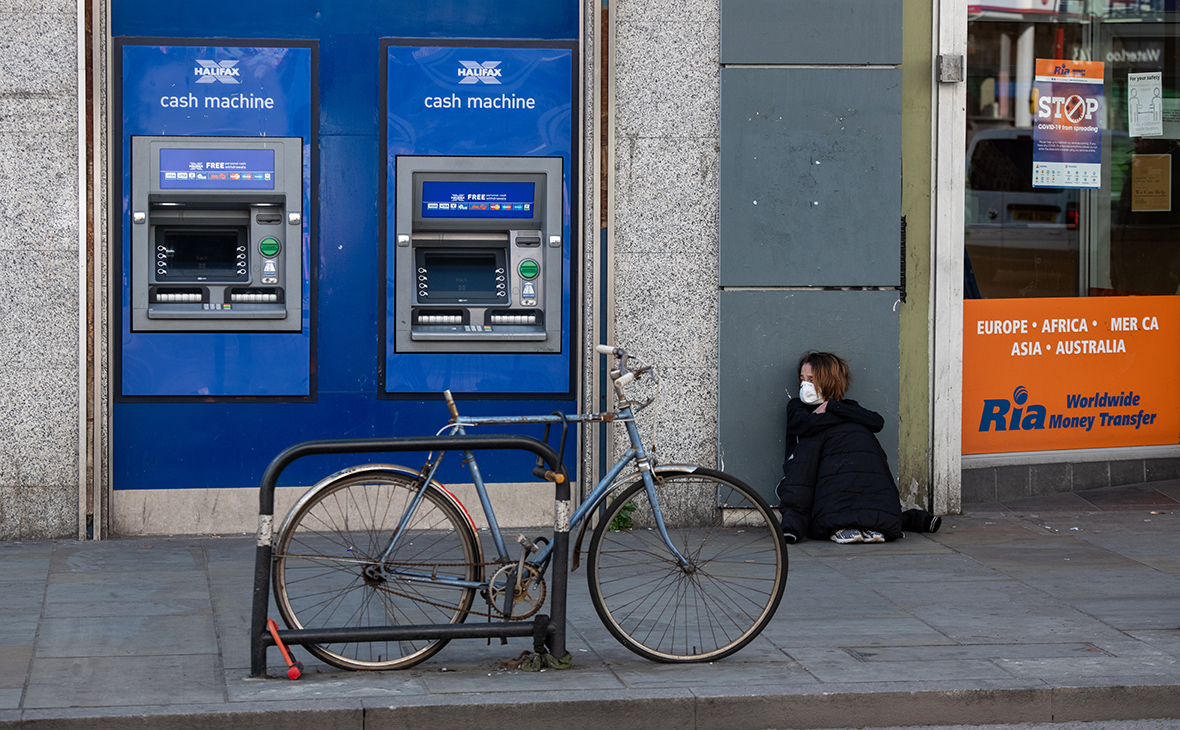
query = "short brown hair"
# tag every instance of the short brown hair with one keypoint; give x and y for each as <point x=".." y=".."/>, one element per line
<point x="829" y="372"/>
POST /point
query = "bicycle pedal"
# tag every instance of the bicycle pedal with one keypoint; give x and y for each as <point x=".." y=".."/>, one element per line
<point x="527" y="544"/>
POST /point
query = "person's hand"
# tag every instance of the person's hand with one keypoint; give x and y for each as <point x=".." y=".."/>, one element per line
<point x="823" y="408"/>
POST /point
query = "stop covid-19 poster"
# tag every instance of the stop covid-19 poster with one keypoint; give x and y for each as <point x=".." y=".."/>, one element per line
<point x="1067" y="135"/>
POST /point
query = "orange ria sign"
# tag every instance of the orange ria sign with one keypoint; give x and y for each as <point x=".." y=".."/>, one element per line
<point x="1089" y="372"/>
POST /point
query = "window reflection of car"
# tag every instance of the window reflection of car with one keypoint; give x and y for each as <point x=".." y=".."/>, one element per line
<point x="1021" y="241"/>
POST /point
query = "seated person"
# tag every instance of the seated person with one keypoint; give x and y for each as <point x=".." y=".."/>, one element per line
<point x="836" y="479"/>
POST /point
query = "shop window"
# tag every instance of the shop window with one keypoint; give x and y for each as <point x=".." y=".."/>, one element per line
<point x="1022" y="241"/>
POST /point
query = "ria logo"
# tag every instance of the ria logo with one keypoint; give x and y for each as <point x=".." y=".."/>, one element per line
<point x="210" y="72"/>
<point x="1022" y="418"/>
<point x="473" y="72"/>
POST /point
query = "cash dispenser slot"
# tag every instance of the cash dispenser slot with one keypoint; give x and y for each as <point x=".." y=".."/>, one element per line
<point x="530" y="318"/>
<point x="175" y="294"/>
<point x="425" y="316"/>
<point x="256" y="295"/>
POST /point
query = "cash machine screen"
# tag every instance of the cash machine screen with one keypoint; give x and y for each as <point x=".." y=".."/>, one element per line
<point x="193" y="254"/>
<point x="464" y="277"/>
<point x="217" y="169"/>
<point x="462" y="199"/>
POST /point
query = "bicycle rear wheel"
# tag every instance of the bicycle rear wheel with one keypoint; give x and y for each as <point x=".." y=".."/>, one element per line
<point x="328" y="572"/>
<point x="717" y="605"/>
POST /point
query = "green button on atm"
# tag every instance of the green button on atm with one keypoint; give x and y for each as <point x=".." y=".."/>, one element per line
<point x="528" y="269"/>
<point x="268" y="246"/>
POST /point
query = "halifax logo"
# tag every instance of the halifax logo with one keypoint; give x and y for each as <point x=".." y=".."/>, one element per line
<point x="473" y="72"/>
<point x="210" y="72"/>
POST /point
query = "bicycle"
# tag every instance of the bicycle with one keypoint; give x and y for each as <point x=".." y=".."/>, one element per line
<point x="673" y="575"/>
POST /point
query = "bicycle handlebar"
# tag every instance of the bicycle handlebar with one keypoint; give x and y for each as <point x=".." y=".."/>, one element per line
<point x="623" y="374"/>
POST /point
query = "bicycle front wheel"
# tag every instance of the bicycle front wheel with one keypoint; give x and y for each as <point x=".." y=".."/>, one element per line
<point x="720" y="601"/>
<point x="329" y="572"/>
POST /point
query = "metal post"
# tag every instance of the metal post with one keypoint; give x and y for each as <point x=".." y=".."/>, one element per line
<point x="262" y="558"/>
<point x="560" y="569"/>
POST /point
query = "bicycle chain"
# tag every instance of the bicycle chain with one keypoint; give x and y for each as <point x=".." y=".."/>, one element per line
<point x="469" y="611"/>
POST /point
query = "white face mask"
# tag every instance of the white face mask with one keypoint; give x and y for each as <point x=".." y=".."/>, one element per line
<point x="808" y="394"/>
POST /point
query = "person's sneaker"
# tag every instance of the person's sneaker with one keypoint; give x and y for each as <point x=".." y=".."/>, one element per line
<point x="935" y="523"/>
<point x="872" y="536"/>
<point x="789" y="538"/>
<point x="847" y="536"/>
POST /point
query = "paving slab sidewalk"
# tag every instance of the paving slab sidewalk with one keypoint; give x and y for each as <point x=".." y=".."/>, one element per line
<point x="1049" y="609"/>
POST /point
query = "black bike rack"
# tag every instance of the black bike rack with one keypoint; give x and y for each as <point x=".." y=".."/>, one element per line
<point x="547" y="631"/>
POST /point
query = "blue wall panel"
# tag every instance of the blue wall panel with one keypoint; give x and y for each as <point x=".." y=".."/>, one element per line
<point x="213" y="364"/>
<point x="229" y="443"/>
<point x="348" y="278"/>
<point x="370" y="18"/>
<point x="542" y="75"/>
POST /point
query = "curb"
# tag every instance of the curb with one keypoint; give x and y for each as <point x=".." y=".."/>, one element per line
<point x="650" y="710"/>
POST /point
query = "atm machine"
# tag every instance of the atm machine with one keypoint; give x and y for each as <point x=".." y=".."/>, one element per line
<point x="216" y="234"/>
<point x="478" y="254"/>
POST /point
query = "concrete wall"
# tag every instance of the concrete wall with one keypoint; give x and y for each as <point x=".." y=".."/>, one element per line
<point x="663" y="238"/>
<point x="1038" y="475"/>
<point x="39" y="271"/>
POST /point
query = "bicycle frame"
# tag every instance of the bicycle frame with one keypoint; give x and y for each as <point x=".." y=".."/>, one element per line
<point x="458" y="428"/>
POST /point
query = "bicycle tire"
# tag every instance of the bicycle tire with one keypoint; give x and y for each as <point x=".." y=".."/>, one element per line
<point x="732" y="590"/>
<point x="338" y="530"/>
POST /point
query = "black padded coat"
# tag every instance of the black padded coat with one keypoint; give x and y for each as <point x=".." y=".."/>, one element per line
<point x="836" y="474"/>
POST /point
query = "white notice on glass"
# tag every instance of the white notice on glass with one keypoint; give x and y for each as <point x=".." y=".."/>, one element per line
<point x="1145" y="105"/>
